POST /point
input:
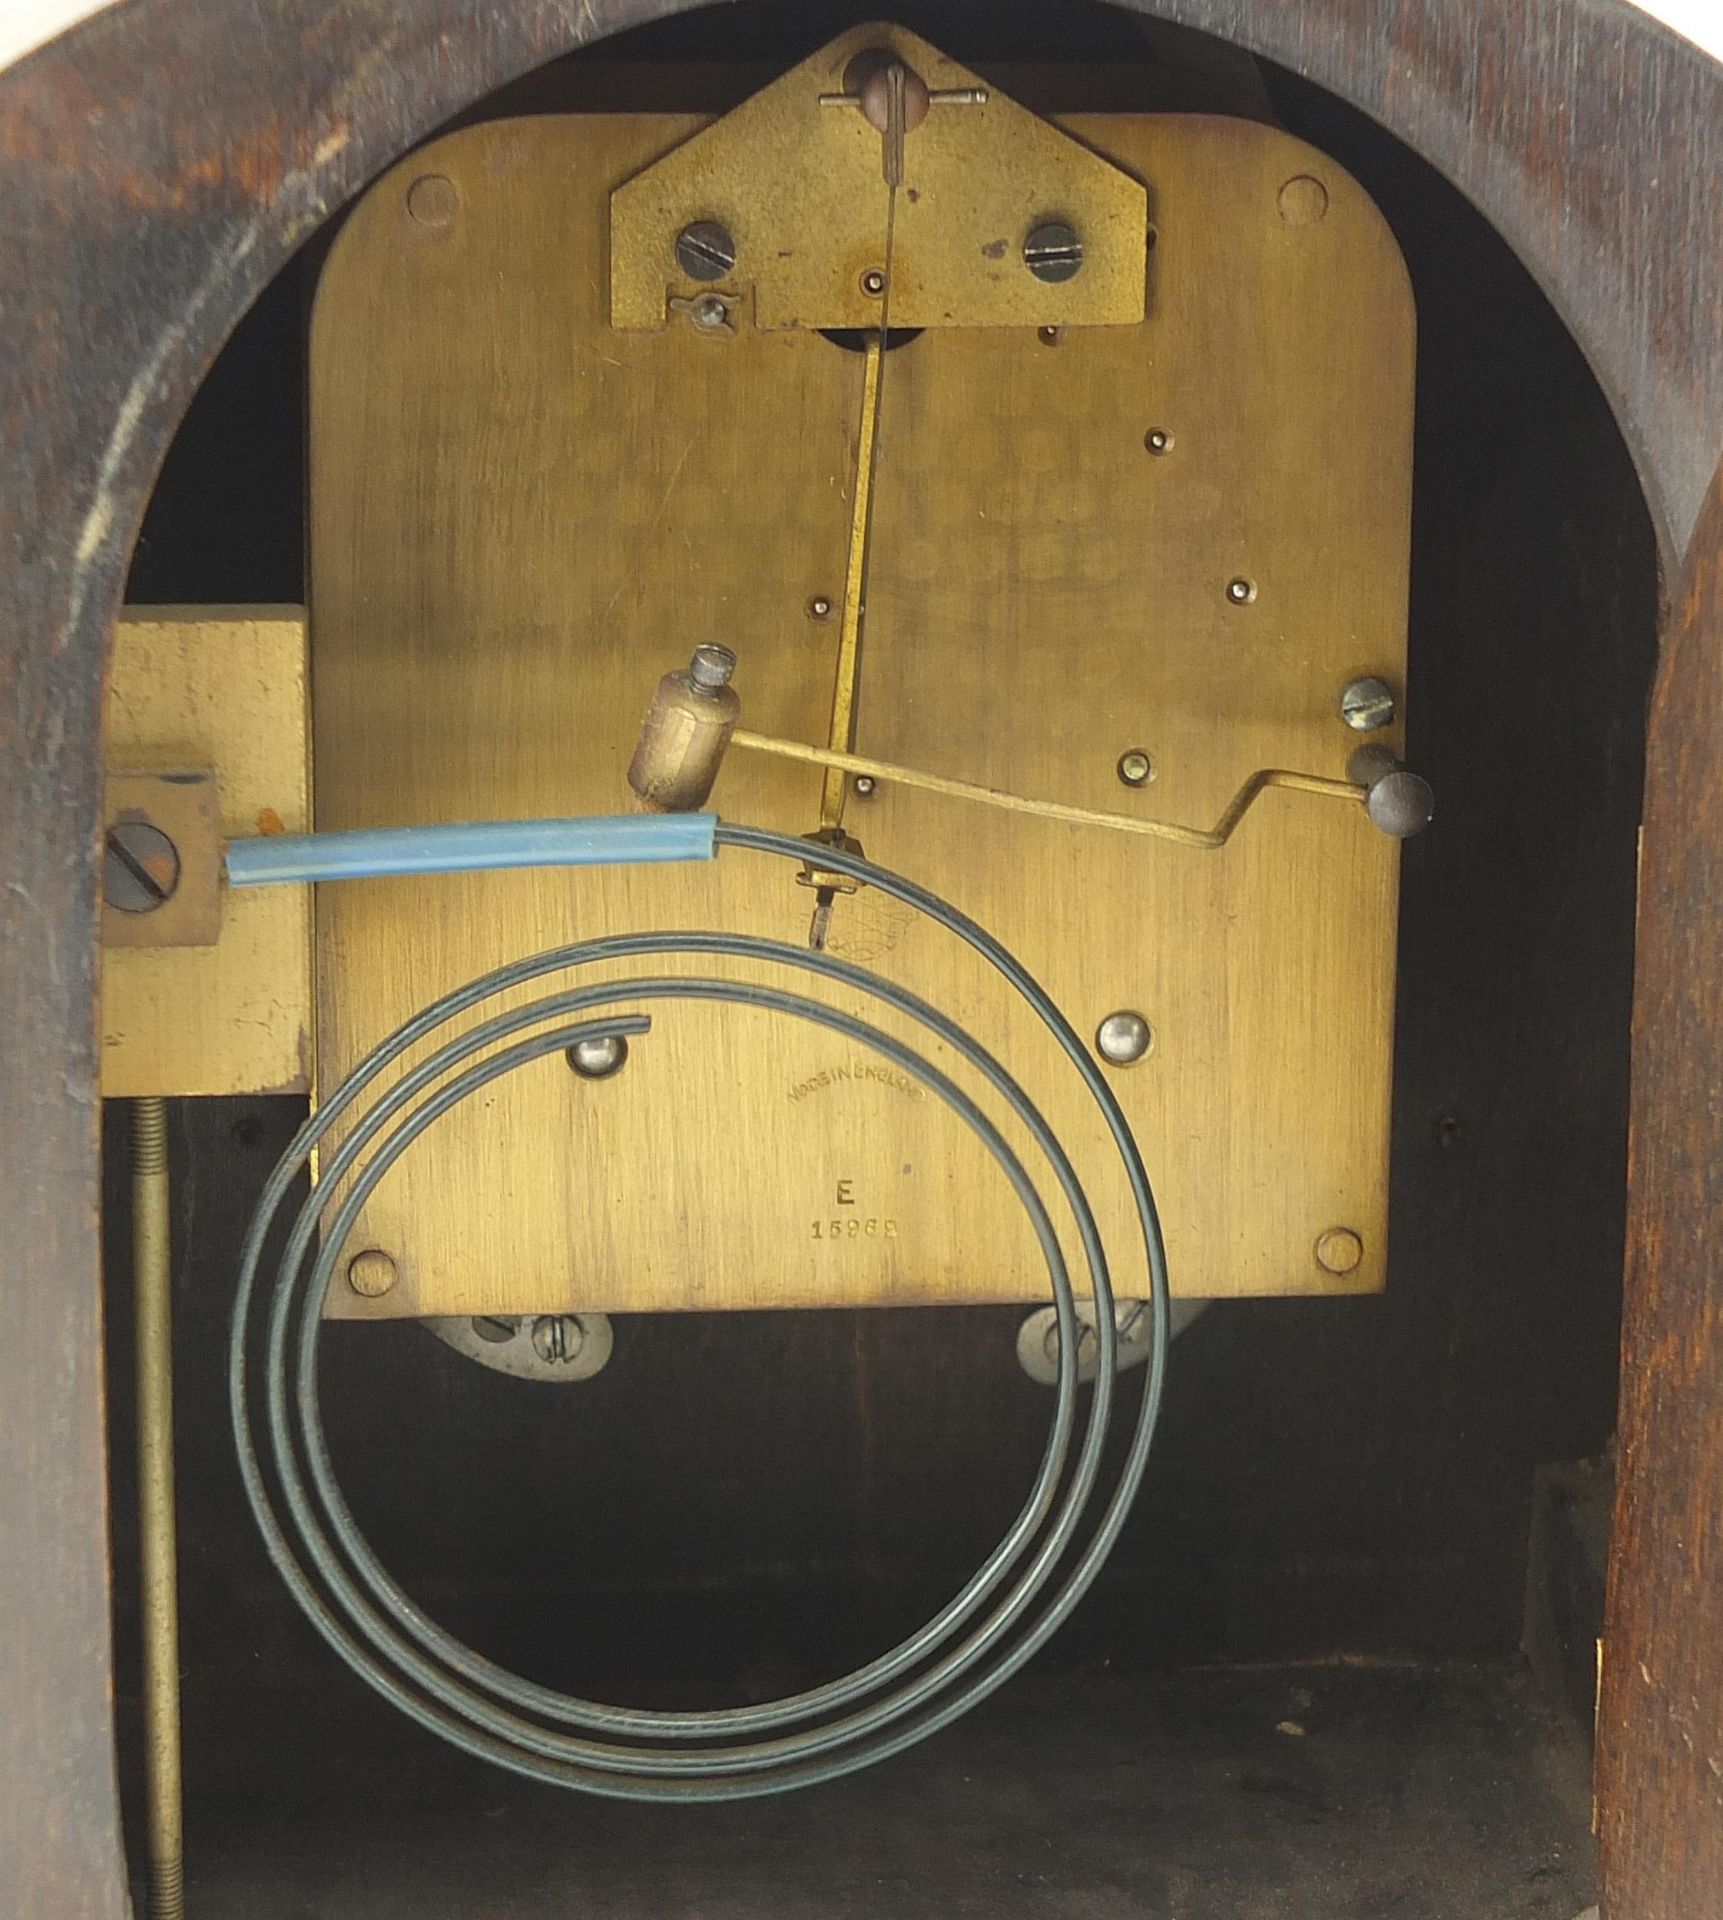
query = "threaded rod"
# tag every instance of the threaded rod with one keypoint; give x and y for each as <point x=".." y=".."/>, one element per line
<point x="152" y="1267"/>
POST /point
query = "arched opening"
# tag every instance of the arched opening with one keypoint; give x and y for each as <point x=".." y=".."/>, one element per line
<point x="1343" y="1490"/>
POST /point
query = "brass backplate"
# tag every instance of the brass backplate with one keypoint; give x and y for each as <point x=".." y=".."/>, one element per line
<point x="222" y="688"/>
<point x="800" y="188"/>
<point x="1183" y="536"/>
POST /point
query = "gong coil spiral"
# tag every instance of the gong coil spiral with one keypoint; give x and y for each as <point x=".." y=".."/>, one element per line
<point x="1019" y="1596"/>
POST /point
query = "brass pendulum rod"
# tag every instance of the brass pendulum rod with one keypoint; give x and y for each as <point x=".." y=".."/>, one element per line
<point x="841" y="733"/>
<point x="152" y="1266"/>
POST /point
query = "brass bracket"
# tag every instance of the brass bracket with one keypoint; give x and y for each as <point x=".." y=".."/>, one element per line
<point x="203" y="687"/>
<point x="795" y="184"/>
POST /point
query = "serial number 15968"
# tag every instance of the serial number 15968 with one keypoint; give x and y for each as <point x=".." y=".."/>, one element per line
<point x="857" y="1227"/>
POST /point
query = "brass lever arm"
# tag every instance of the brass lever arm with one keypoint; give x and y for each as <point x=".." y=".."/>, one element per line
<point x="1205" y="840"/>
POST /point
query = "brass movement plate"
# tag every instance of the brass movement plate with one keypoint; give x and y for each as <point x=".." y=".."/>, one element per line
<point x="522" y="515"/>
<point x="801" y="189"/>
<point x="222" y="688"/>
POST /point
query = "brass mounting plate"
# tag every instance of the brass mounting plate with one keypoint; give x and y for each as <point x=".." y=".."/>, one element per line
<point x="521" y="516"/>
<point x="801" y="190"/>
<point x="221" y="687"/>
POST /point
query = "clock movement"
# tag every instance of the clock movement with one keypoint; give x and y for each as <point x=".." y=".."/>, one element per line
<point x="1114" y="528"/>
<point x="1001" y="522"/>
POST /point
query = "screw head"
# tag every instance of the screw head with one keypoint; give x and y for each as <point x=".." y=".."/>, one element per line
<point x="495" y="1328"/>
<point x="711" y="666"/>
<point x="371" y="1273"/>
<point x="1124" y="1038"/>
<point x="598" y="1056"/>
<point x="873" y="283"/>
<point x="557" y="1338"/>
<point x="1158" y="440"/>
<point x="1401" y="804"/>
<point x="1339" y="1250"/>
<point x="140" y="867"/>
<point x="705" y="250"/>
<point x="1241" y="592"/>
<point x="1367" y="704"/>
<point x="1136" y="769"/>
<point x="1053" y="252"/>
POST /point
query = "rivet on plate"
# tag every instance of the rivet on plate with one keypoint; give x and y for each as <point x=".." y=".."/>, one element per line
<point x="1158" y="440"/>
<point x="1339" y="1250"/>
<point x="1302" y="201"/>
<point x="873" y="283"/>
<point x="1124" y="1038"/>
<point x="820" y="607"/>
<point x="433" y="201"/>
<point x="1241" y="592"/>
<point x="598" y="1056"/>
<point x="371" y="1273"/>
<point x="1136" y="768"/>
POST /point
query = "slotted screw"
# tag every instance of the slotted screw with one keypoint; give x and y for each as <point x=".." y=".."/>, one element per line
<point x="557" y="1338"/>
<point x="140" y="867"/>
<point x="1367" y="704"/>
<point x="705" y="250"/>
<point x="1053" y="252"/>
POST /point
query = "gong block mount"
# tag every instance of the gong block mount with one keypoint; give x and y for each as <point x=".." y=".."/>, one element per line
<point x="795" y="180"/>
<point x="1181" y="535"/>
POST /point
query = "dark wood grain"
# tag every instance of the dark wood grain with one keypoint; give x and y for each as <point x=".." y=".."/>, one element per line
<point x="1590" y="136"/>
<point x="1660" y="1747"/>
<point x="158" y="163"/>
